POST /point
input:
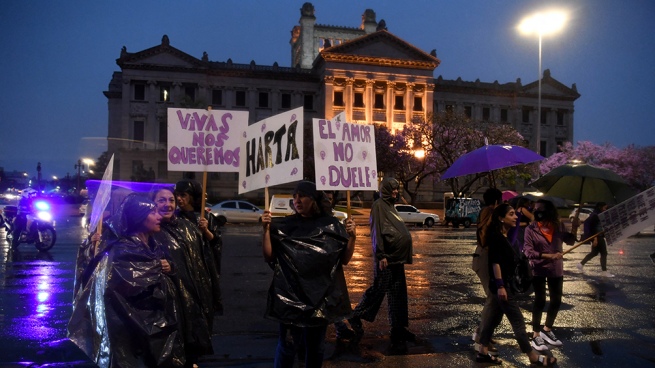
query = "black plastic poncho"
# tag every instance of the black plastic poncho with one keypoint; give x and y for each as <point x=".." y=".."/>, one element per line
<point x="389" y="235"/>
<point x="308" y="287"/>
<point x="213" y="252"/>
<point x="186" y="249"/>
<point x="126" y="313"/>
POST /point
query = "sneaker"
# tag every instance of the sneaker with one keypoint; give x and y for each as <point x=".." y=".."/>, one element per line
<point x="606" y="274"/>
<point x="539" y="344"/>
<point x="550" y="338"/>
<point x="358" y="329"/>
<point x="474" y="337"/>
<point x="478" y="347"/>
<point x="580" y="267"/>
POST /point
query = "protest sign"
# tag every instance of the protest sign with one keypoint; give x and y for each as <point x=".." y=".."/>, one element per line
<point x="205" y="140"/>
<point x="629" y="217"/>
<point x="272" y="151"/>
<point x="344" y="155"/>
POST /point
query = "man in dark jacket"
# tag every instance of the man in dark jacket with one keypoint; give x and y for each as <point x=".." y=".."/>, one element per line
<point x="392" y="249"/>
<point x="592" y="227"/>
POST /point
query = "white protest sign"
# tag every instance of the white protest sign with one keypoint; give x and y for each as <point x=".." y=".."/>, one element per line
<point x="205" y="140"/>
<point x="272" y="151"/>
<point x="629" y="217"/>
<point x="344" y="155"/>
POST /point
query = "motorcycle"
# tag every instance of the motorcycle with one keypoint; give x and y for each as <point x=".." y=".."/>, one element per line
<point x="39" y="229"/>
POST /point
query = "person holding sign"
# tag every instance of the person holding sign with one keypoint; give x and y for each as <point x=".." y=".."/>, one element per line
<point x="188" y="194"/>
<point x="592" y="227"/>
<point x="308" y="250"/>
<point x="392" y="249"/>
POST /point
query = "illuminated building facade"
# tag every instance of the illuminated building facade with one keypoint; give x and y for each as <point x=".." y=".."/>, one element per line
<point x="366" y="72"/>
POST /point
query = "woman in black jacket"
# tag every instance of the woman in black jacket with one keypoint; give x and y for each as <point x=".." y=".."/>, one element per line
<point x="502" y="262"/>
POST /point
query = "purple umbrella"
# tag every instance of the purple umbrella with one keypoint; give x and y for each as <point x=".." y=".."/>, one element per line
<point x="490" y="157"/>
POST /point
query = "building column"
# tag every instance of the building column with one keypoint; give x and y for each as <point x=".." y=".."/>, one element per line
<point x="409" y="102"/>
<point x="369" y="100"/>
<point x="428" y="100"/>
<point x="391" y="99"/>
<point x="348" y="97"/>
<point x="328" y="82"/>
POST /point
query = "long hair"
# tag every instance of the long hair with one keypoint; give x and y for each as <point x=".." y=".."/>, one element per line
<point x="550" y="212"/>
<point x="499" y="212"/>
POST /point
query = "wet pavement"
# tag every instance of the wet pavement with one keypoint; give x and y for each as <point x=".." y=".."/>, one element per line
<point x="603" y="322"/>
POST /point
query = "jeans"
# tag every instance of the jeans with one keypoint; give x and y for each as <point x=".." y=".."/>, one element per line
<point x="291" y="337"/>
<point x="555" y="285"/>
<point x="511" y="309"/>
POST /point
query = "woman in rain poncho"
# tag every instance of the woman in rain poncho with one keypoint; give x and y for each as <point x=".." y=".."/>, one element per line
<point x="308" y="292"/>
<point x="126" y="315"/>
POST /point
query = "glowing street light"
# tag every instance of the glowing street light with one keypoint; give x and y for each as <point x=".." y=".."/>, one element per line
<point x="542" y="23"/>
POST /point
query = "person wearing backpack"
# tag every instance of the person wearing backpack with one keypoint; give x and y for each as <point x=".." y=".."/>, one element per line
<point x="543" y="247"/>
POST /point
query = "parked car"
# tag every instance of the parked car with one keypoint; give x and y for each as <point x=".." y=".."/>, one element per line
<point x="412" y="215"/>
<point x="282" y="205"/>
<point x="584" y="213"/>
<point x="463" y="211"/>
<point x="235" y="211"/>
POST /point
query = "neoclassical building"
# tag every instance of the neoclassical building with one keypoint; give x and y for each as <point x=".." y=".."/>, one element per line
<point x="366" y="72"/>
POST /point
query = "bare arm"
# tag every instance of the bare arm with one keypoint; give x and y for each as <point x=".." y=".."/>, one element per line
<point x="267" y="248"/>
<point x="502" y="293"/>
<point x="350" y="249"/>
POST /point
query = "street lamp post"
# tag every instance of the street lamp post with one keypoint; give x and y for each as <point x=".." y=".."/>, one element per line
<point x="542" y="23"/>
<point x="78" y="166"/>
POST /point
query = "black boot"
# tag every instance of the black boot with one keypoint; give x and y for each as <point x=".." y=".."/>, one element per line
<point x="358" y="330"/>
<point x="398" y="342"/>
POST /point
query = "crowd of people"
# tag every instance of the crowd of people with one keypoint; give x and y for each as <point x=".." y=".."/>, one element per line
<point x="147" y="288"/>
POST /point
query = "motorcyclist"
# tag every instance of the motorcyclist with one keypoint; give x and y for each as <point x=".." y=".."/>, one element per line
<point x="25" y="207"/>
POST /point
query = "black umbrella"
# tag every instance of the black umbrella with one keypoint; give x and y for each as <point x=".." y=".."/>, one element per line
<point x="584" y="183"/>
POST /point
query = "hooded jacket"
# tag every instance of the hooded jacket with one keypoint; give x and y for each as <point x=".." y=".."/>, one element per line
<point x="389" y="235"/>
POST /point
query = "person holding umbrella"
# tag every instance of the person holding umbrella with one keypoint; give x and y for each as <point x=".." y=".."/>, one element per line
<point x="543" y="247"/>
<point x="598" y="244"/>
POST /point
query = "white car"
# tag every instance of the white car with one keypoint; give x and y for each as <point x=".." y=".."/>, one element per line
<point x="282" y="205"/>
<point x="236" y="211"/>
<point x="412" y="215"/>
<point x="584" y="213"/>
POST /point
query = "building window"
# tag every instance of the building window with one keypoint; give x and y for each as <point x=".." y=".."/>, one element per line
<point x="544" y="116"/>
<point x="217" y="97"/>
<point x="399" y="103"/>
<point x="468" y="111"/>
<point x="240" y="98"/>
<point x="338" y="98"/>
<point x="559" y="146"/>
<point x="308" y="102"/>
<point x="162" y="169"/>
<point x="542" y="148"/>
<point x="560" y="118"/>
<point x="503" y="115"/>
<point x="190" y="93"/>
<point x="418" y="103"/>
<point x="263" y="99"/>
<point x="285" y="102"/>
<point x="359" y="100"/>
<point x="379" y="101"/>
<point x="165" y="93"/>
<point x="139" y="92"/>
<point x="526" y="115"/>
<point x="450" y="109"/>
<point x="138" y="134"/>
<point x="163" y="132"/>
<point x="486" y="113"/>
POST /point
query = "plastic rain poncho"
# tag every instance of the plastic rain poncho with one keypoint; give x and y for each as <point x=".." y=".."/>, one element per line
<point x="186" y="249"/>
<point x="126" y="313"/>
<point x="389" y="235"/>
<point x="309" y="287"/>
